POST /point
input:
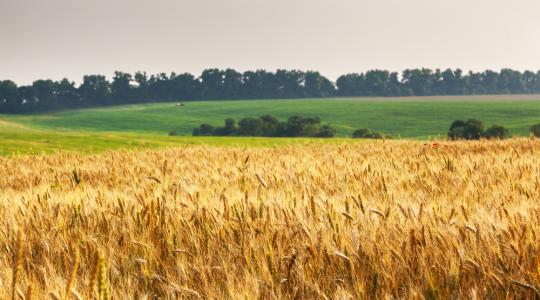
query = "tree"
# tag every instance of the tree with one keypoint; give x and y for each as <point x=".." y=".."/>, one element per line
<point x="351" y="85"/>
<point x="251" y="127"/>
<point x="490" y="82"/>
<point x="472" y="129"/>
<point x="230" y="124"/>
<point x="298" y="126"/>
<point x="204" y="130"/>
<point x="141" y="93"/>
<point x="95" y="89"/>
<point x="535" y="130"/>
<point x="232" y="84"/>
<point x="229" y="128"/>
<point x="419" y="81"/>
<point x="270" y="125"/>
<point x="67" y="94"/>
<point x="44" y="95"/>
<point x="394" y="85"/>
<point x="366" y="133"/>
<point x="474" y="84"/>
<point x="453" y="82"/>
<point x="376" y="83"/>
<point x="326" y="131"/>
<point x="9" y="97"/>
<point x="456" y="130"/>
<point x="496" y="132"/>
<point x="289" y="84"/>
<point x="259" y="84"/>
<point x="121" y="90"/>
<point x="212" y="83"/>
<point x="185" y="87"/>
<point x="510" y="82"/>
<point x="316" y="85"/>
<point x="362" y="133"/>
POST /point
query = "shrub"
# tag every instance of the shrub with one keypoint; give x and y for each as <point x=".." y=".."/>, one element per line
<point x="300" y="126"/>
<point x="229" y="128"/>
<point x="496" y="132"/>
<point x="173" y="133"/>
<point x="366" y="133"/>
<point x="230" y="124"/>
<point x="362" y="133"/>
<point x="326" y="131"/>
<point x="377" y="135"/>
<point x="270" y="125"/>
<point x="204" y="130"/>
<point x="535" y="130"/>
<point x="250" y="127"/>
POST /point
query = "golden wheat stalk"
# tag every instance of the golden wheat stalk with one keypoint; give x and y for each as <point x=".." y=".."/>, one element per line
<point x="17" y="263"/>
<point x="72" y="275"/>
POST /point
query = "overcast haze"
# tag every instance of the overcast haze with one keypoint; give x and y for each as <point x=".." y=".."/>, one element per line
<point x="70" y="38"/>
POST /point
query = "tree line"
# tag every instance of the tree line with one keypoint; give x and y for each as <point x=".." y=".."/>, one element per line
<point x="216" y="84"/>
<point x="298" y="126"/>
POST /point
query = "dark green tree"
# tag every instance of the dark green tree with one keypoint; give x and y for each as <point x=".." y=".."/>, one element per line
<point x="316" y="85"/>
<point x="472" y="129"/>
<point x="204" y="130"/>
<point x="535" y="130"/>
<point x="496" y="132"/>
<point x="251" y="127"/>
<point x="10" y="101"/>
<point x="326" y="131"/>
<point x="121" y="90"/>
<point x="95" y="89"/>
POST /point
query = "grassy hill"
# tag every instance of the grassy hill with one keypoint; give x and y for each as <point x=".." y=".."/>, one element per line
<point x="18" y="139"/>
<point x="406" y="117"/>
<point x="147" y="125"/>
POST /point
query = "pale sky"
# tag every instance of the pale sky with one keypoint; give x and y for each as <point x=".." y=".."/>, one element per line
<point x="70" y="38"/>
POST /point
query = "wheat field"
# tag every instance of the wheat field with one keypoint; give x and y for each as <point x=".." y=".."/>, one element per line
<point x="373" y="220"/>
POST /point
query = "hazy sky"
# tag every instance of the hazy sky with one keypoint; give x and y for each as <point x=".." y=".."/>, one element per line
<point x="70" y="38"/>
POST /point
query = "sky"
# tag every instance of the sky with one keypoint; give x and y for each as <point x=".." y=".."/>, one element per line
<point x="70" y="38"/>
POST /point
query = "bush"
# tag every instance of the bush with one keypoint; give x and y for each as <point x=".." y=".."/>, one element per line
<point x="470" y="130"/>
<point x="204" y="130"/>
<point x="229" y="128"/>
<point x="362" y="133"/>
<point x="326" y="131"/>
<point x="366" y="133"/>
<point x="300" y="126"/>
<point x="230" y="124"/>
<point x="250" y="127"/>
<point x="270" y="125"/>
<point x="496" y="132"/>
<point x="535" y="130"/>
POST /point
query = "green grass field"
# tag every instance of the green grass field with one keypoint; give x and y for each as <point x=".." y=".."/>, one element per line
<point x="19" y="140"/>
<point x="147" y="125"/>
